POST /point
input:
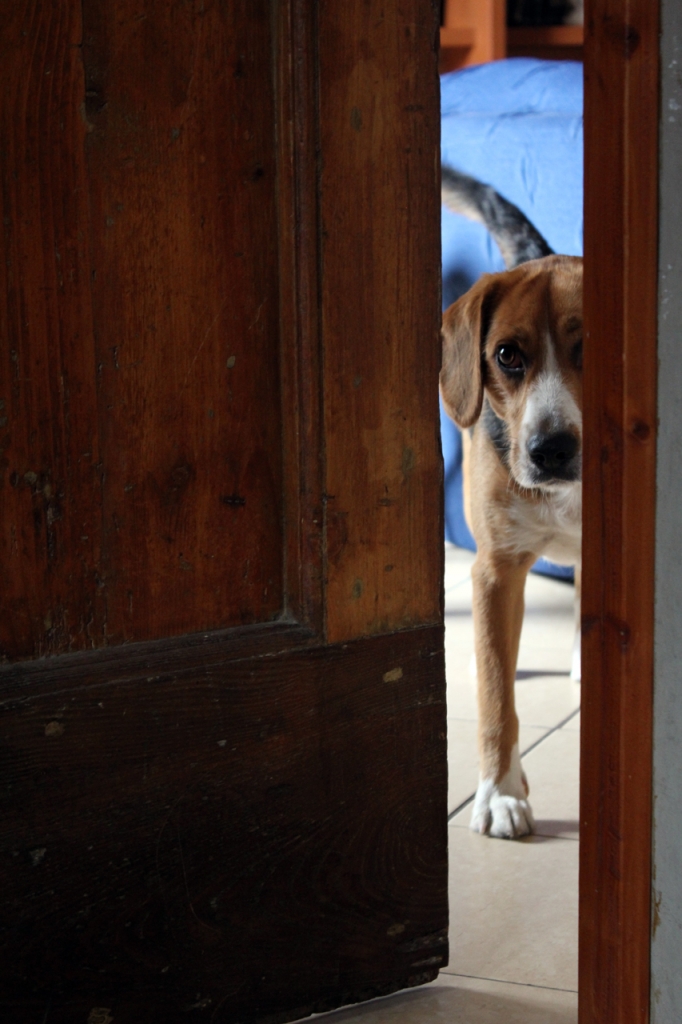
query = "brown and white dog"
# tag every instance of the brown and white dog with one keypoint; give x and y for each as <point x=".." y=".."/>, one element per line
<point x="512" y="373"/>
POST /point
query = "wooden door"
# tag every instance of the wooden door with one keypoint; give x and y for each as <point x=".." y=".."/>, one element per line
<point x="621" y="283"/>
<point x="222" y="682"/>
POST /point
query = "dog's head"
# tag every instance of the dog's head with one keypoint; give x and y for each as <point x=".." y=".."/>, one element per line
<point x="517" y="336"/>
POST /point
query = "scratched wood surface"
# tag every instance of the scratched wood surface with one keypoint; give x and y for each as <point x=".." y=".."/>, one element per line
<point x="141" y="471"/>
<point x="273" y="847"/>
<point x="621" y="118"/>
<point x="381" y="327"/>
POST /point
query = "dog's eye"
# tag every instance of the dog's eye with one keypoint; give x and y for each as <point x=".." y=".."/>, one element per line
<point x="578" y="355"/>
<point x="509" y="358"/>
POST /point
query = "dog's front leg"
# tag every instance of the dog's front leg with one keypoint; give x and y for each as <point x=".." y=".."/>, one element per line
<point x="500" y="808"/>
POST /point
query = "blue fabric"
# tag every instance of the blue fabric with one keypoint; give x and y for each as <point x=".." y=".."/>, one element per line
<point x="516" y="125"/>
<point x="520" y="85"/>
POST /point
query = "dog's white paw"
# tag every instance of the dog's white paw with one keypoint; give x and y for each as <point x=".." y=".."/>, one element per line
<point x="501" y="815"/>
<point x="501" y="809"/>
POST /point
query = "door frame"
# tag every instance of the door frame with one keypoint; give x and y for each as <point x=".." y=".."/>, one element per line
<point x="621" y="316"/>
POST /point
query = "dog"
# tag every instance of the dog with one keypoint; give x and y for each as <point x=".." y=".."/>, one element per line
<point x="511" y="378"/>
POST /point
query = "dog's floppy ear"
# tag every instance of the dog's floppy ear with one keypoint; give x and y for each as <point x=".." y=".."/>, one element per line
<point x="461" y="375"/>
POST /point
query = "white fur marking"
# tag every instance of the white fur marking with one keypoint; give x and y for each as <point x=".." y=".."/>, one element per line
<point x="549" y="397"/>
<point x="549" y="401"/>
<point x="501" y="809"/>
<point x="551" y="527"/>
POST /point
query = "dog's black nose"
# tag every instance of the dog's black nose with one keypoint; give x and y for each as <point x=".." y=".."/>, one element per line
<point x="552" y="453"/>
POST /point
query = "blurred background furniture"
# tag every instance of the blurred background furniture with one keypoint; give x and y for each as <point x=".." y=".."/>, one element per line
<point x="476" y="31"/>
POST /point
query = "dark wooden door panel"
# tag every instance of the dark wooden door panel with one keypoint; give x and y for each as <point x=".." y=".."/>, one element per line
<point x="265" y="849"/>
<point x="181" y="157"/>
<point x="380" y="218"/>
<point x="140" y="362"/>
<point x="219" y="468"/>
<point x="50" y="486"/>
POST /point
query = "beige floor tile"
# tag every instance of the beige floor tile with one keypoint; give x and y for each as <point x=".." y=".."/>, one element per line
<point x="461" y="689"/>
<point x="458" y="601"/>
<point x="548" y="625"/>
<point x="457" y="579"/>
<point x="546" y="700"/>
<point x="495" y="1002"/>
<point x="463" y="759"/>
<point x="553" y="770"/>
<point x="574" y="724"/>
<point x="456" y="1000"/>
<point x="514" y="909"/>
<point x="544" y="652"/>
<point x="545" y="594"/>
<point x="456" y="556"/>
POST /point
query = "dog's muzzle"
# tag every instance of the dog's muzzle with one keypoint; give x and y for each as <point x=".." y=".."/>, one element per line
<point x="554" y="457"/>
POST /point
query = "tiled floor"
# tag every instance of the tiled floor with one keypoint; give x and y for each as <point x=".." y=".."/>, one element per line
<point x="513" y="905"/>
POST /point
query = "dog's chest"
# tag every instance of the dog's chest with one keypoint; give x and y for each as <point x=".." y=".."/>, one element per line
<point x="551" y="527"/>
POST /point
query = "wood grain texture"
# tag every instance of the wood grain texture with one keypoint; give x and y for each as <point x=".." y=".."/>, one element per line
<point x="552" y="44"/>
<point x="380" y="299"/>
<point x="225" y="824"/>
<point x="302" y="356"/>
<point x="277" y="845"/>
<point x="487" y="19"/>
<point x="621" y="150"/>
<point x="141" y="472"/>
<point x="166" y="466"/>
<point x="182" y="162"/>
<point x="50" y="481"/>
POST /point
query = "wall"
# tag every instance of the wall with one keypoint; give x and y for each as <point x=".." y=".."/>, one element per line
<point x="666" y="981"/>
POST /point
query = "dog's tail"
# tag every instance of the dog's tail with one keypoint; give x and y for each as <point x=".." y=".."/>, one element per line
<point x="516" y="237"/>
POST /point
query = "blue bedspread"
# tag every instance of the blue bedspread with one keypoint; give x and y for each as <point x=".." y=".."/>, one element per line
<point x="516" y="125"/>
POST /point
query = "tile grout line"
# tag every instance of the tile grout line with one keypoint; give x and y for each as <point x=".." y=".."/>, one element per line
<point x="555" y="728"/>
<point x="544" y="836"/>
<point x="504" y="981"/>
